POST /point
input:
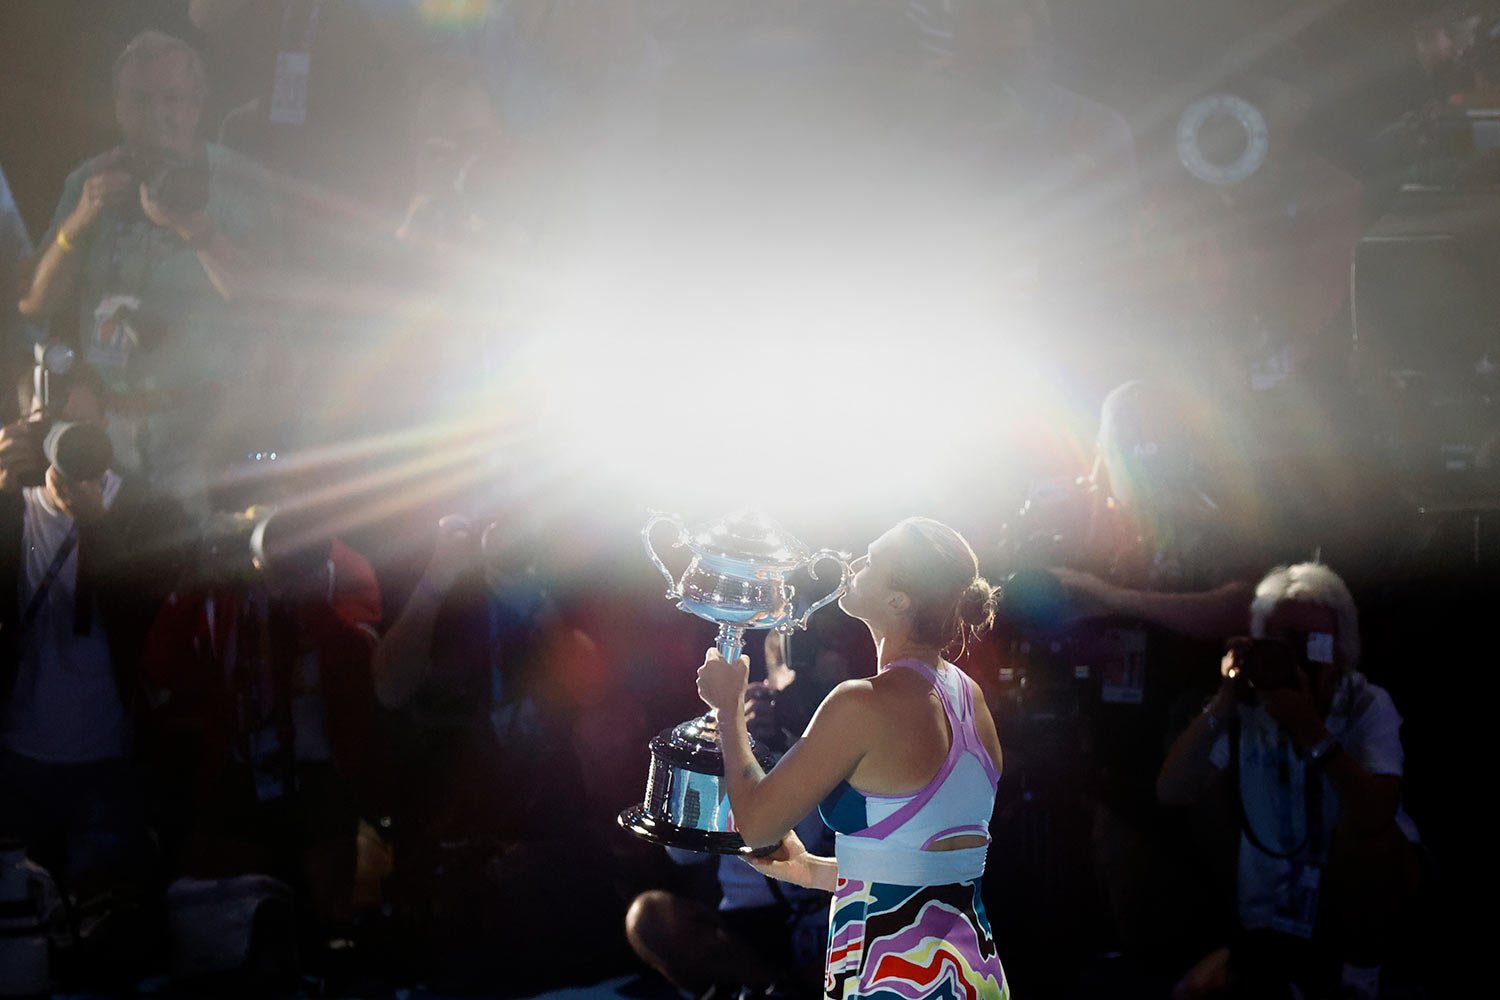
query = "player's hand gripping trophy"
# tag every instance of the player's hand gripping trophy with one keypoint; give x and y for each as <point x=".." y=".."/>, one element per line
<point x="737" y="580"/>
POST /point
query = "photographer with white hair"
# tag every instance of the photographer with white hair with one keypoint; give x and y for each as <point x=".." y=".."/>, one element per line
<point x="1312" y="750"/>
<point x="156" y="265"/>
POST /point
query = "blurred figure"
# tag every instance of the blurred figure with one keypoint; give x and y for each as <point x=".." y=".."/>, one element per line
<point x="566" y="73"/>
<point x="306" y="88"/>
<point x="762" y="935"/>
<point x="1442" y="138"/>
<point x="1312" y="751"/>
<point x="86" y="557"/>
<point x="461" y="161"/>
<point x="266" y="717"/>
<point x="498" y="857"/>
<point x="1248" y="279"/>
<point x="165" y="242"/>
<point x="15" y="257"/>
<point x="1009" y="45"/>
<point x="1148" y="567"/>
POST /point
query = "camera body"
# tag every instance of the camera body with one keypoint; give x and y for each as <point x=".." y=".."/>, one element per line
<point x="1272" y="664"/>
<point x="80" y="452"/>
<point x="226" y="549"/>
<point x="243" y="547"/>
<point x="1262" y="665"/>
<point x="179" y="184"/>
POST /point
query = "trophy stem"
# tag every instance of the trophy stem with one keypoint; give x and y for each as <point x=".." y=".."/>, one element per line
<point x="731" y="642"/>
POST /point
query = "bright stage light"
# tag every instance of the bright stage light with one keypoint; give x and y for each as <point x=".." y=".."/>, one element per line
<point x="807" y="394"/>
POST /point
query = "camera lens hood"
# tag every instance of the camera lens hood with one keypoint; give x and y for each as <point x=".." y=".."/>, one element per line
<point x="78" y="451"/>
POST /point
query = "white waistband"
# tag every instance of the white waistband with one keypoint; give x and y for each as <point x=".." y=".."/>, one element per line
<point x="870" y="860"/>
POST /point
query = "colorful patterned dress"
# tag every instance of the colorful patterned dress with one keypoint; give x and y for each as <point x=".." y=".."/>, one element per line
<point x="907" y="922"/>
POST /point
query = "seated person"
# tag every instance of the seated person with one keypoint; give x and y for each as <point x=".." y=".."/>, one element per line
<point x="764" y="935"/>
<point x="1327" y="856"/>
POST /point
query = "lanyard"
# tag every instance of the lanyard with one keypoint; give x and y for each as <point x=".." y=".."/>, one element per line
<point x="1312" y="802"/>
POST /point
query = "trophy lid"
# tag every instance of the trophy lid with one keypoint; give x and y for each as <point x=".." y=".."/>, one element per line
<point x="750" y="536"/>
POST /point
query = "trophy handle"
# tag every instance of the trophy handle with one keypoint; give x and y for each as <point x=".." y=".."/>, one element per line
<point x="673" y="591"/>
<point x="845" y="572"/>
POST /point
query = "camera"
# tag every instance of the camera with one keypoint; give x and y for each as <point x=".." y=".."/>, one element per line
<point x="180" y="184"/>
<point x="243" y="547"/>
<point x="1272" y="664"/>
<point x="226" y="547"/>
<point x="1261" y="665"/>
<point x="54" y="363"/>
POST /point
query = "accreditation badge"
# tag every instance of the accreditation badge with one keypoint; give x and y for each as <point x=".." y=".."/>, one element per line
<point x="289" y="92"/>
<point x="1297" y="903"/>
<point x="1122" y="666"/>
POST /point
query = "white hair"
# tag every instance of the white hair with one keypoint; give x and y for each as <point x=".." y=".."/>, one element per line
<point x="1315" y="584"/>
<point x="153" y="44"/>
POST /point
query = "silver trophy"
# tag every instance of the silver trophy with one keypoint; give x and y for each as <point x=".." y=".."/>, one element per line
<point x="737" y="580"/>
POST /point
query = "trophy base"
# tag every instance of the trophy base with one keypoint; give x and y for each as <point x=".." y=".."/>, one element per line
<point x="639" y="821"/>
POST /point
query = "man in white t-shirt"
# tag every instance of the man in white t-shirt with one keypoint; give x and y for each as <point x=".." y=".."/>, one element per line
<point x="1327" y="855"/>
<point x="70" y="644"/>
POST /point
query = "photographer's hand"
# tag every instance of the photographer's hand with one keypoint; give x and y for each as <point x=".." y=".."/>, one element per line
<point x="403" y="657"/>
<point x="1293" y="709"/>
<point x="1221" y="705"/>
<point x="21" y="458"/>
<point x="193" y="228"/>
<point x="234" y="273"/>
<point x="455" y="551"/>
<point x="57" y="270"/>
<point x="83" y="502"/>
<point x="107" y="187"/>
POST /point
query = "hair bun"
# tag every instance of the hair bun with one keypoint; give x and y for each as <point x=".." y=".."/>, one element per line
<point x="976" y="605"/>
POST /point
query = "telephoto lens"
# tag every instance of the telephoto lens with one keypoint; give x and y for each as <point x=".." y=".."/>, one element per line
<point x="79" y="452"/>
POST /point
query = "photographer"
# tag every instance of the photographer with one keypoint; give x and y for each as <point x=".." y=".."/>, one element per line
<point x="83" y="557"/>
<point x="1149" y="572"/>
<point x="259" y="666"/>
<point x="500" y="844"/>
<point x="1313" y="753"/>
<point x="162" y="241"/>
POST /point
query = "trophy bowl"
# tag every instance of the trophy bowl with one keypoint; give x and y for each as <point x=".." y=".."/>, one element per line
<point x="736" y="578"/>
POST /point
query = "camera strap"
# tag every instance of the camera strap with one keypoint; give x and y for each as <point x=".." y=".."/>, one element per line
<point x="1312" y="802"/>
<point x="49" y="578"/>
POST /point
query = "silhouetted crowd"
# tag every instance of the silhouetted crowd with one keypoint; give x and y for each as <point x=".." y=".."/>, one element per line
<point x="313" y="678"/>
